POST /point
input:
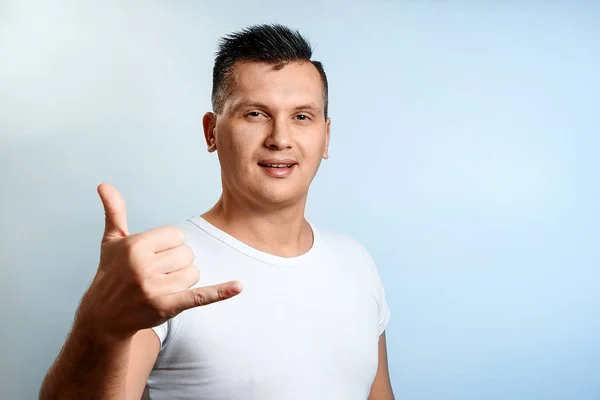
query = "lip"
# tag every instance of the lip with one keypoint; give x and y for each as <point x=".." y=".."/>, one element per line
<point x="278" y="172"/>
<point x="277" y="161"/>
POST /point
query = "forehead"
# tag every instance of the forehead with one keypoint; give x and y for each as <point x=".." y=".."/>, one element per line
<point x="295" y="82"/>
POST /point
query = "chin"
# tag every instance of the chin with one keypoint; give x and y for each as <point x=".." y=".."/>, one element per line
<point x="281" y="197"/>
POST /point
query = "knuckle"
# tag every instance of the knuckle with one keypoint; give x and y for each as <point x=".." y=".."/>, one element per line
<point x="188" y="254"/>
<point x="222" y="292"/>
<point x="195" y="273"/>
<point x="176" y="233"/>
<point x="200" y="297"/>
<point x="177" y="261"/>
<point x="193" y="276"/>
<point x="181" y="257"/>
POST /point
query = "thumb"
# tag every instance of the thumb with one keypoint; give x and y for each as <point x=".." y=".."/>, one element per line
<point x="114" y="208"/>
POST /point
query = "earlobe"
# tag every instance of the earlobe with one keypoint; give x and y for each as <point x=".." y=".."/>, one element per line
<point x="213" y="145"/>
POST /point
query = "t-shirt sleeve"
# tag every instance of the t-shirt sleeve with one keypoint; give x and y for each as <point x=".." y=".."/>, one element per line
<point x="162" y="331"/>
<point x="384" y="310"/>
<point x="166" y="330"/>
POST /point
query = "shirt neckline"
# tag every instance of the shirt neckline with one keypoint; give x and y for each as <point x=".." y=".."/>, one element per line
<point x="254" y="253"/>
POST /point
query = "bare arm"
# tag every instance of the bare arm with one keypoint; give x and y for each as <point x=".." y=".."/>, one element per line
<point x="144" y="351"/>
<point x="87" y="368"/>
<point x="382" y="387"/>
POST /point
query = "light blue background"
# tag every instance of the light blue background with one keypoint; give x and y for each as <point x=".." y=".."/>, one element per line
<point x="464" y="155"/>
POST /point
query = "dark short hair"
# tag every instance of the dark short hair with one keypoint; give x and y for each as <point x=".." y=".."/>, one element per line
<point x="269" y="43"/>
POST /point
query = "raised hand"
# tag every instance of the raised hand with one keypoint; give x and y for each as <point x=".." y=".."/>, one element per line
<point x="142" y="279"/>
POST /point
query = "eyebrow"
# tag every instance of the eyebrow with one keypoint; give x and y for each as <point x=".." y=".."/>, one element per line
<point x="309" y="106"/>
<point x="249" y="104"/>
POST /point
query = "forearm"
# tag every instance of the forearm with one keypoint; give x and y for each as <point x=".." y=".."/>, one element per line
<point x="88" y="368"/>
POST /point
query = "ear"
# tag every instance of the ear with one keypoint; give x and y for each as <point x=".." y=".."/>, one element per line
<point x="209" y="124"/>
<point x="327" y="136"/>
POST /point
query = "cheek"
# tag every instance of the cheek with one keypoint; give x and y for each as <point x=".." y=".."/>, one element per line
<point x="238" y="149"/>
<point x="313" y="148"/>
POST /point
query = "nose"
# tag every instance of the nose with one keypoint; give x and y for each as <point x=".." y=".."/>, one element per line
<point x="279" y="137"/>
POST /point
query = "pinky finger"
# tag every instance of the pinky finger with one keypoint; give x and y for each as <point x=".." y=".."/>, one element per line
<point x="202" y="296"/>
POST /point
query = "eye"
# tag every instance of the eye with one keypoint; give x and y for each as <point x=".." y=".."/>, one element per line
<point x="302" y="117"/>
<point x="255" y="116"/>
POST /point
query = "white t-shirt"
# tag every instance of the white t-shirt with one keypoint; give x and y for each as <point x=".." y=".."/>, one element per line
<point x="302" y="328"/>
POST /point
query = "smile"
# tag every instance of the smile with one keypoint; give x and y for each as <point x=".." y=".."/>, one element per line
<point x="278" y="170"/>
<point x="276" y="165"/>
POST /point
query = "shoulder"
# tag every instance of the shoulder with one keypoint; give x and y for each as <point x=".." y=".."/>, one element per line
<point x="356" y="261"/>
<point x="347" y="245"/>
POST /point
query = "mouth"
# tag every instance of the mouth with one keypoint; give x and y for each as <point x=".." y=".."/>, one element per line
<point x="277" y="168"/>
<point x="277" y="165"/>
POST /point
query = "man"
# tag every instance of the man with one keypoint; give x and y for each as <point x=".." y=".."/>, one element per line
<point x="309" y="322"/>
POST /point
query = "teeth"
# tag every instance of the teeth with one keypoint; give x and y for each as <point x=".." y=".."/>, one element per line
<point x="278" y="165"/>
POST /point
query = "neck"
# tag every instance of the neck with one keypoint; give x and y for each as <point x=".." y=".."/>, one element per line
<point x="281" y="231"/>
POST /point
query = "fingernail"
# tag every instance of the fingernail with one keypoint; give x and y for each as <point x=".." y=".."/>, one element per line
<point x="236" y="287"/>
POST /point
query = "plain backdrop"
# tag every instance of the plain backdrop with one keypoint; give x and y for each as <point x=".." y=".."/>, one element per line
<point x="464" y="155"/>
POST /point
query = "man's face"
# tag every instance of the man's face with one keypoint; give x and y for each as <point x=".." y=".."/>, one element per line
<point x="272" y="134"/>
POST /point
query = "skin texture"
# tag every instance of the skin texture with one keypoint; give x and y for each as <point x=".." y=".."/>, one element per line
<point x="273" y="113"/>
